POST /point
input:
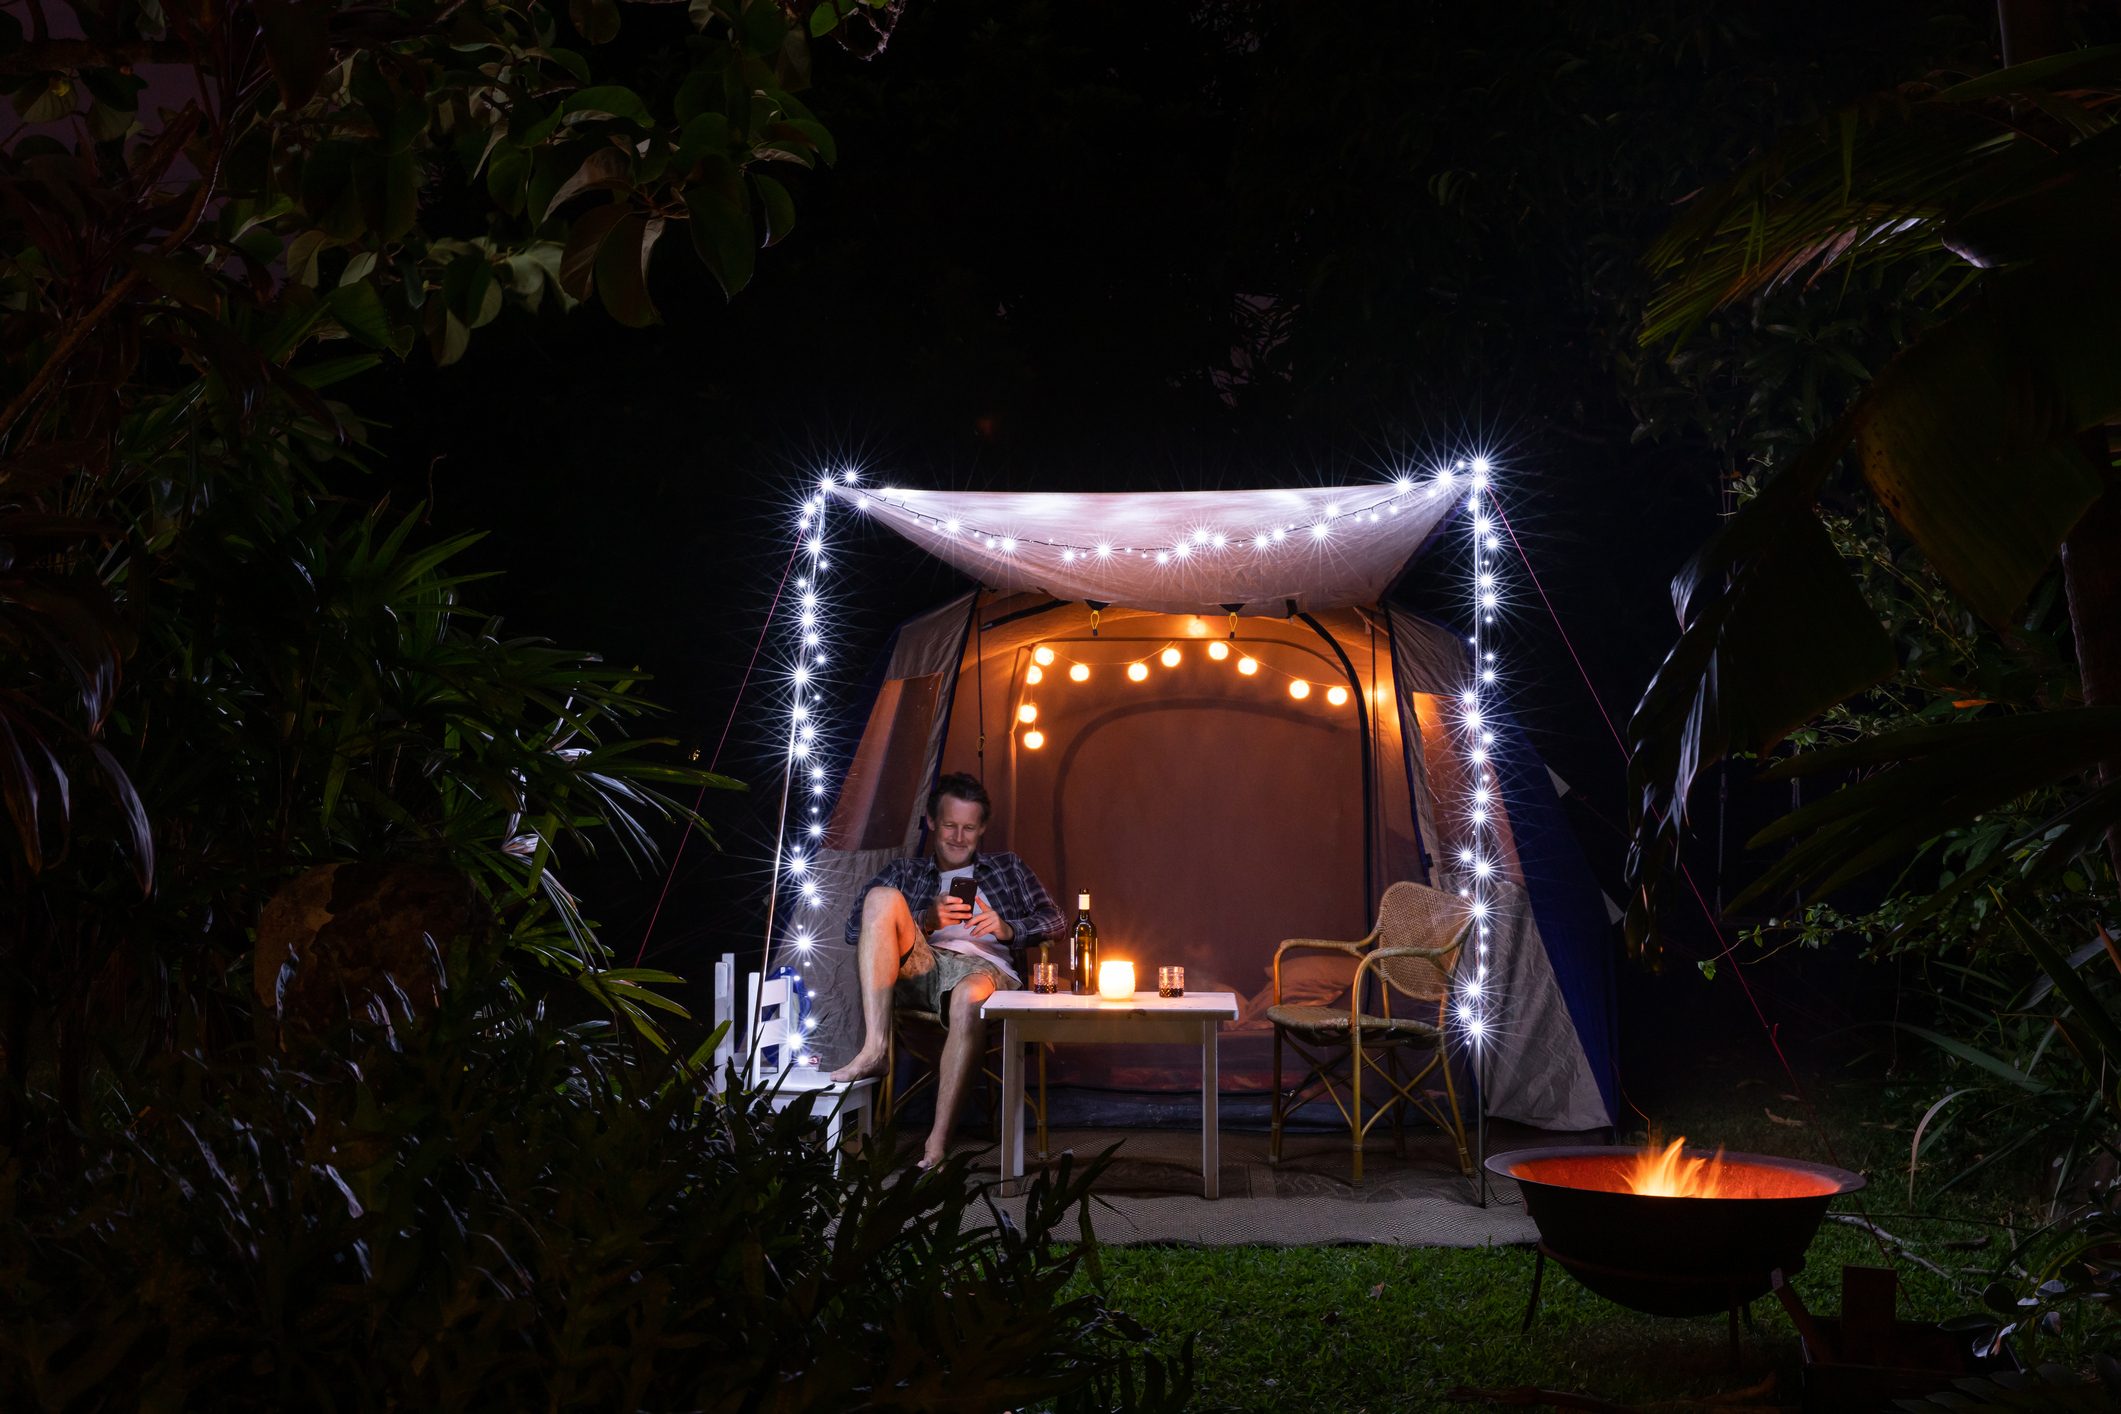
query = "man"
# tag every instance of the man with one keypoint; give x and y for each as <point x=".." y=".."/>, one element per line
<point x="922" y="948"/>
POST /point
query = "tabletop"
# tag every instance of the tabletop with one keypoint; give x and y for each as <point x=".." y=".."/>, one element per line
<point x="1202" y="1005"/>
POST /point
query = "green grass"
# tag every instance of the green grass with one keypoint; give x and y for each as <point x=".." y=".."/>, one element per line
<point x="1400" y="1328"/>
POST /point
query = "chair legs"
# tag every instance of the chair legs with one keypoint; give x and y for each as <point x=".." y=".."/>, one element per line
<point x="1328" y="1073"/>
<point x="1274" y="1127"/>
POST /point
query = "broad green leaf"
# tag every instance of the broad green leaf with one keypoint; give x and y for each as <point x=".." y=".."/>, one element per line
<point x="584" y="239"/>
<point x="823" y="19"/>
<point x="607" y="101"/>
<point x="1967" y="437"/>
<point x="297" y="45"/>
<point x="622" y="269"/>
<point x="359" y="309"/>
<point x="722" y="233"/>
<point x="777" y="207"/>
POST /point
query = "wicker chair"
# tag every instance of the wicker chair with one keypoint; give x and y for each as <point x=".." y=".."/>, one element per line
<point x="1411" y="951"/>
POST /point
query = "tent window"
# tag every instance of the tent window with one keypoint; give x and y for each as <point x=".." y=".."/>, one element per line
<point x="890" y="767"/>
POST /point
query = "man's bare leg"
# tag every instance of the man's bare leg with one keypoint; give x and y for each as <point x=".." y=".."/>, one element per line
<point x="888" y="934"/>
<point x="962" y="1049"/>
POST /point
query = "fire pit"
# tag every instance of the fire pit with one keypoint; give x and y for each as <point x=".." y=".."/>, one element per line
<point x="1672" y="1232"/>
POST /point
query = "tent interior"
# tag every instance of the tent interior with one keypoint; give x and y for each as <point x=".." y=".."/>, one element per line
<point x="1219" y="783"/>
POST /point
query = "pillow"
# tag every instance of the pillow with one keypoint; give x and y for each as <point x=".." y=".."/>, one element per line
<point x="1313" y="979"/>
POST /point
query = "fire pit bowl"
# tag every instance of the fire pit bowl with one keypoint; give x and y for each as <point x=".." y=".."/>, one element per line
<point x="1673" y="1256"/>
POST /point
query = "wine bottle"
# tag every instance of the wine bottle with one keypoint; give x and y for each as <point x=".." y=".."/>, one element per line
<point x="1082" y="950"/>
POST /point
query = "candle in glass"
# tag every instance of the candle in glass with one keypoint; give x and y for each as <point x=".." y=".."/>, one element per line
<point x="1115" y="981"/>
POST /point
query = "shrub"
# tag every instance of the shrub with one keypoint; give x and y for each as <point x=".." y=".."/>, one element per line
<point x="487" y="1211"/>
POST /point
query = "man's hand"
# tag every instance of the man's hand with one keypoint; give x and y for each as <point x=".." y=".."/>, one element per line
<point x="949" y="911"/>
<point x="988" y="924"/>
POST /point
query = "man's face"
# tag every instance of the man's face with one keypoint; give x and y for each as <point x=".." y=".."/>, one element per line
<point x="956" y="827"/>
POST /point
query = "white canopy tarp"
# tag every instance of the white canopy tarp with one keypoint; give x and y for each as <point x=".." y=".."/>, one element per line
<point x="1175" y="552"/>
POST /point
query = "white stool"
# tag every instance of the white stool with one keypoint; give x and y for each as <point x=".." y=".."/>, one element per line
<point x="837" y="1102"/>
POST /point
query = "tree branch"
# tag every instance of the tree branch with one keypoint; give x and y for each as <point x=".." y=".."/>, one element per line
<point x="55" y="54"/>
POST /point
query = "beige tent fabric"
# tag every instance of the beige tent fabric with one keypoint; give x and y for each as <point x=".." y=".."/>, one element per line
<point x="1177" y="551"/>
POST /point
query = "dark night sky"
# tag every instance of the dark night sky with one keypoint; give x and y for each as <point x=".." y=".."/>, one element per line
<point x="1022" y="274"/>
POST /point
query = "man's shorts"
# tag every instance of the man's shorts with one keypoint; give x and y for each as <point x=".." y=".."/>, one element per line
<point x="928" y="988"/>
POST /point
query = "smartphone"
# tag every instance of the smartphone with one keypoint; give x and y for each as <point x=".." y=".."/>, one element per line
<point x="965" y="890"/>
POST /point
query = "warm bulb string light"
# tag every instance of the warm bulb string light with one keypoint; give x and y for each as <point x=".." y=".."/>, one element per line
<point x="1033" y="733"/>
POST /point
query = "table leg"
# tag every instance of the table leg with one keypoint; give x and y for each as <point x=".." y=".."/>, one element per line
<point x="1210" y="1116"/>
<point x="1012" y="1104"/>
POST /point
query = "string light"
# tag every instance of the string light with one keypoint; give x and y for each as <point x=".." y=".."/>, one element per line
<point x="1028" y="713"/>
<point x="1042" y="655"/>
<point x="1218" y="650"/>
<point x="1136" y="672"/>
<point x="1299" y="689"/>
<point x="1169" y="657"/>
<point x="1337" y="695"/>
<point x="1034" y="739"/>
<point x="1369" y="509"/>
<point x="1248" y="666"/>
<point x="1080" y="672"/>
<point x="1034" y="675"/>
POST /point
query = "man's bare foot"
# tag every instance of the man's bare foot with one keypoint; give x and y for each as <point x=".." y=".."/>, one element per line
<point x="930" y="1159"/>
<point x="861" y="1067"/>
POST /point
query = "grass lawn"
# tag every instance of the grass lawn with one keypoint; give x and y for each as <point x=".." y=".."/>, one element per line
<point x="1399" y="1328"/>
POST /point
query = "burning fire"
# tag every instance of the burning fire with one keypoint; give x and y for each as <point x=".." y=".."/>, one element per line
<point x="1668" y="1173"/>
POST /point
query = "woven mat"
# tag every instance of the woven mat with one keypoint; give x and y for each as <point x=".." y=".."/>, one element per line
<point x="1151" y="1192"/>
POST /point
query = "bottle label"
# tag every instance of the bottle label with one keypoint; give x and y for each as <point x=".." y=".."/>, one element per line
<point x="1082" y="903"/>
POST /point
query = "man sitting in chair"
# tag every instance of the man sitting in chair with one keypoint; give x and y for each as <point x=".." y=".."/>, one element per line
<point x="924" y="948"/>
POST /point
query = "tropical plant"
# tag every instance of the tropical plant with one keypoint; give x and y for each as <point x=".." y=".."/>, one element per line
<point x="483" y="1210"/>
<point x="1973" y="439"/>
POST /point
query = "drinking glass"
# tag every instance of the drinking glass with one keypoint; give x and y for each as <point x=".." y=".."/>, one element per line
<point x="1170" y="981"/>
<point x="1045" y="977"/>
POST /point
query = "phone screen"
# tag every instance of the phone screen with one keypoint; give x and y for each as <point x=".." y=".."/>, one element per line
<point x="963" y="890"/>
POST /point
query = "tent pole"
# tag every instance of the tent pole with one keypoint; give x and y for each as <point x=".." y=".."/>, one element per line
<point x="1362" y="730"/>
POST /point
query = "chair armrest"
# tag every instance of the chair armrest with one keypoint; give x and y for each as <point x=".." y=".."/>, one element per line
<point x="1354" y="949"/>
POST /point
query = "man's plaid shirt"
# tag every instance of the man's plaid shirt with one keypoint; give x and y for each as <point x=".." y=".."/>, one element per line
<point x="1004" y="880"/>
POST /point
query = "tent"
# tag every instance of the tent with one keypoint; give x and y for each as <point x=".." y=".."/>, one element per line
<point x="1206" y="710"/>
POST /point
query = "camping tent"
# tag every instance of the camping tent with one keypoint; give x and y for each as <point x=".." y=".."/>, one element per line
<point x="1203" y="709"/>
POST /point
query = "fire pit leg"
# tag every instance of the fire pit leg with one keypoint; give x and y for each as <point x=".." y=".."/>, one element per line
<point x="1735" y="1304"/>
<point x="1531" y="1308"/>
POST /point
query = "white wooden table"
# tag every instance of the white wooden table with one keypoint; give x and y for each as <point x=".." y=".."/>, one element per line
<point x="1060" y="1016"/>
<point x="837" y="1102"/>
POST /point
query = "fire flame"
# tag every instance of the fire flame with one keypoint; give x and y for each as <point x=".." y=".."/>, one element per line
<point x="1668" y="1173"/>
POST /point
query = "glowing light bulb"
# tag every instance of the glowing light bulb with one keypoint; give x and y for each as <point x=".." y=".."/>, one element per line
<point x="1169" y="657"/>
<point x="1163" y="557"/>
<point x="1182" y="550"/>
<point x="1487" y="675"/>
<point x="1027" y="713"/>
<point x="1321" y="530"/>
<point x="1067" y="557"/>
<point x="1482" y="868"/>
<point x="1281" y="532"/>
<point x="1008" y="544"/>
<point x="1034" y="739"/>
<point x="1482" y="525"/>
<point x="1444" y="477"/>
<point x="1299" y="689"/>
<point x="1042" y="655"/>
<point x="1248" y="666"/>
<point x="1404" y="485"/>
<point x="1465" y="856"/>
<point x="1488" y="600"/>
<point x="1493" y="543"/>
<point x="1337" y="695"/>
<point x="1216" y="541"/>
<point x="1080" y="672"/>
<point x="1034" y="675"/>
<point x="1200" y="535"/>
<point x="953" y="525"/>
<point x="1137" y="672"/>
<point x="1218" y="650"/>
<point x="1104" y="551"/>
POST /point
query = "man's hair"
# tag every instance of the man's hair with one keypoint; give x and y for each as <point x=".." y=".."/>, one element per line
<point x="960" y="786"/>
